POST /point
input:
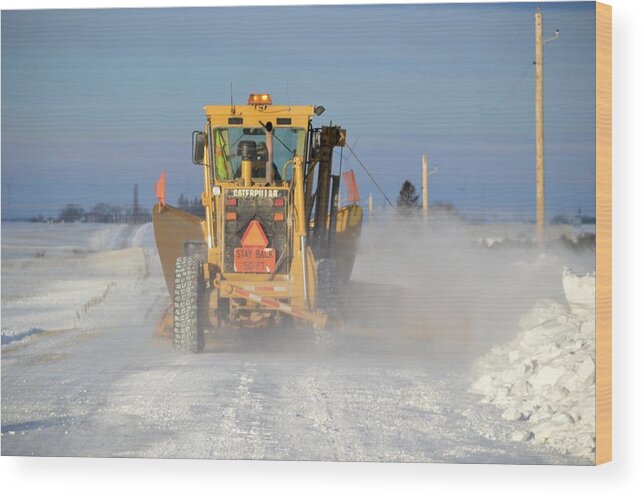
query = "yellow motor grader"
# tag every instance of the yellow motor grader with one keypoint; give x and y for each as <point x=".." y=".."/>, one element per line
<point x="273" y="242"/>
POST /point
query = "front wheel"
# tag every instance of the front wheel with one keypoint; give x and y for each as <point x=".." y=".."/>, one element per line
<point x="188" y="330"/>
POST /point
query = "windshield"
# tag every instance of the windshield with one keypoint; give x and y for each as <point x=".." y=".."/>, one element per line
<point x="231" y="144"/>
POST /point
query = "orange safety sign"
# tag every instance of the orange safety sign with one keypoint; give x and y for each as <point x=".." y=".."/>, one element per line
<point x="254" y="260"/>
<point x="253" y="256"/>
<point x="254" y="236"/>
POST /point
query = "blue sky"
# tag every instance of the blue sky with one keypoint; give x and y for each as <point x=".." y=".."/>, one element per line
<point x="94" y="101"/>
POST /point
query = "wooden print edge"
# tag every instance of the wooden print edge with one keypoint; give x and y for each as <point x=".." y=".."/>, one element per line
<point x="603" y="233"/>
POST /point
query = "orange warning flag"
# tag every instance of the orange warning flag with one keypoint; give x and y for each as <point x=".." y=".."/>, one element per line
<point x="351" y="187"/>
<point x="160" y="189"/>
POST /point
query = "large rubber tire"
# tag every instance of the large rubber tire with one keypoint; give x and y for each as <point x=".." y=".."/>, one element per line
<point x="325" y="338"/>
<point x="326" y="285"/>
<point x="188" y="329"/>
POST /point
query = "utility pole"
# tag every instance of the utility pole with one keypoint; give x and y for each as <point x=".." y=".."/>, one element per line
<point x="425" y="187"/>
<point x="540" y="131"/>
<point x="370" y="208"/>
<point x="135" y="206"/>
<point x="540" y="135"/>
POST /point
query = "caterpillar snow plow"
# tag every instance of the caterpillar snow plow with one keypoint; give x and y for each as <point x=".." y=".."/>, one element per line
<point x="273" y="242"/>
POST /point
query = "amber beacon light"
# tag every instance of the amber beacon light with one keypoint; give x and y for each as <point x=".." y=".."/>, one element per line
<point x="259" y="99"/>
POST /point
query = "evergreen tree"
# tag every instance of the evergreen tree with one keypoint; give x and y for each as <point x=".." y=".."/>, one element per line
<point x="407" y="200"/>
<point x="183" y="203"/>
<point x="197" y="207"/>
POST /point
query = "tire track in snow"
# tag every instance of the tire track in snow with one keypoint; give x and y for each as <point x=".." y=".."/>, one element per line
<point x="314" y="424"/>
<point x="326" y="420"/>
<point x="243" y="417"/>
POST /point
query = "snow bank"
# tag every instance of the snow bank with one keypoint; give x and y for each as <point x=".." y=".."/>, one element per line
<point x="12" y="335"/>
<point x="108" y="237"/>
<point x="21" y="240"/>
<point x="77" y="271"/>
<point x="545" y="378"/>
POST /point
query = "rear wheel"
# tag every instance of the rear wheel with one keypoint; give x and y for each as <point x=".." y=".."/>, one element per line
<point x="188" y="329"/>
<point x="326" y="285"/>
<point x="325" y="296"/>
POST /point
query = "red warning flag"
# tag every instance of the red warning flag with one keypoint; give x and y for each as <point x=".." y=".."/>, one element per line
<point x="160" y="189"/>
<point x="351" y="186"/>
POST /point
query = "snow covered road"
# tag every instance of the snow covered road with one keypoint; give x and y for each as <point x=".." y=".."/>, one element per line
<point x="100" y="383"/>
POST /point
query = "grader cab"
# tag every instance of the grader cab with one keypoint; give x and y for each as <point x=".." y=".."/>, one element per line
<point x="273" y="242"/>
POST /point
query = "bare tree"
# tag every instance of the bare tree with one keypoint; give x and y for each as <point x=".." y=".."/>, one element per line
<point x="71" y="213"/>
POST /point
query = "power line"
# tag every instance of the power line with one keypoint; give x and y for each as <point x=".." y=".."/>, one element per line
<point x="506" y="96"/>
<point x="369" y="175"/>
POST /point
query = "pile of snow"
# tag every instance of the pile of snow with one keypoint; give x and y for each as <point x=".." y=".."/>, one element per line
<point x="546" y="376"/>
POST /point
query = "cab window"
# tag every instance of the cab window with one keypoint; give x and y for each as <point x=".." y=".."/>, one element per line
<point x="232" y="143"/>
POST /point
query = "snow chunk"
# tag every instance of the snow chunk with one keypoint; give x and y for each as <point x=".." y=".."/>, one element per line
<point x="545" y="378"/>
<point x="544" y="310"/>
<point x="511" y="414"/>
<point x="586" y="371"/>
<point x="484" y="385"/>
<point x="521" y="436"/>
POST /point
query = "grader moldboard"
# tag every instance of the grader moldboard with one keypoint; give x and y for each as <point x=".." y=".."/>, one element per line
<point x="273" y="243"/>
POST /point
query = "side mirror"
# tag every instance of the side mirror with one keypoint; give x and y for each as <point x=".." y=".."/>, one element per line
<point x="316" y="143"/>
<point x="198" y="147"/>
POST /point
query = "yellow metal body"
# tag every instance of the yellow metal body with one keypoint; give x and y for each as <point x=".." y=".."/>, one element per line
<point x="257" y="296"/>
<point x="290" y="286"/>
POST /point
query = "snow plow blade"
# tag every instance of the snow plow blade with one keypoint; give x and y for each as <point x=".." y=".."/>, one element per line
<point x="172" y="228"/>
<point x="349" y="229"/>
